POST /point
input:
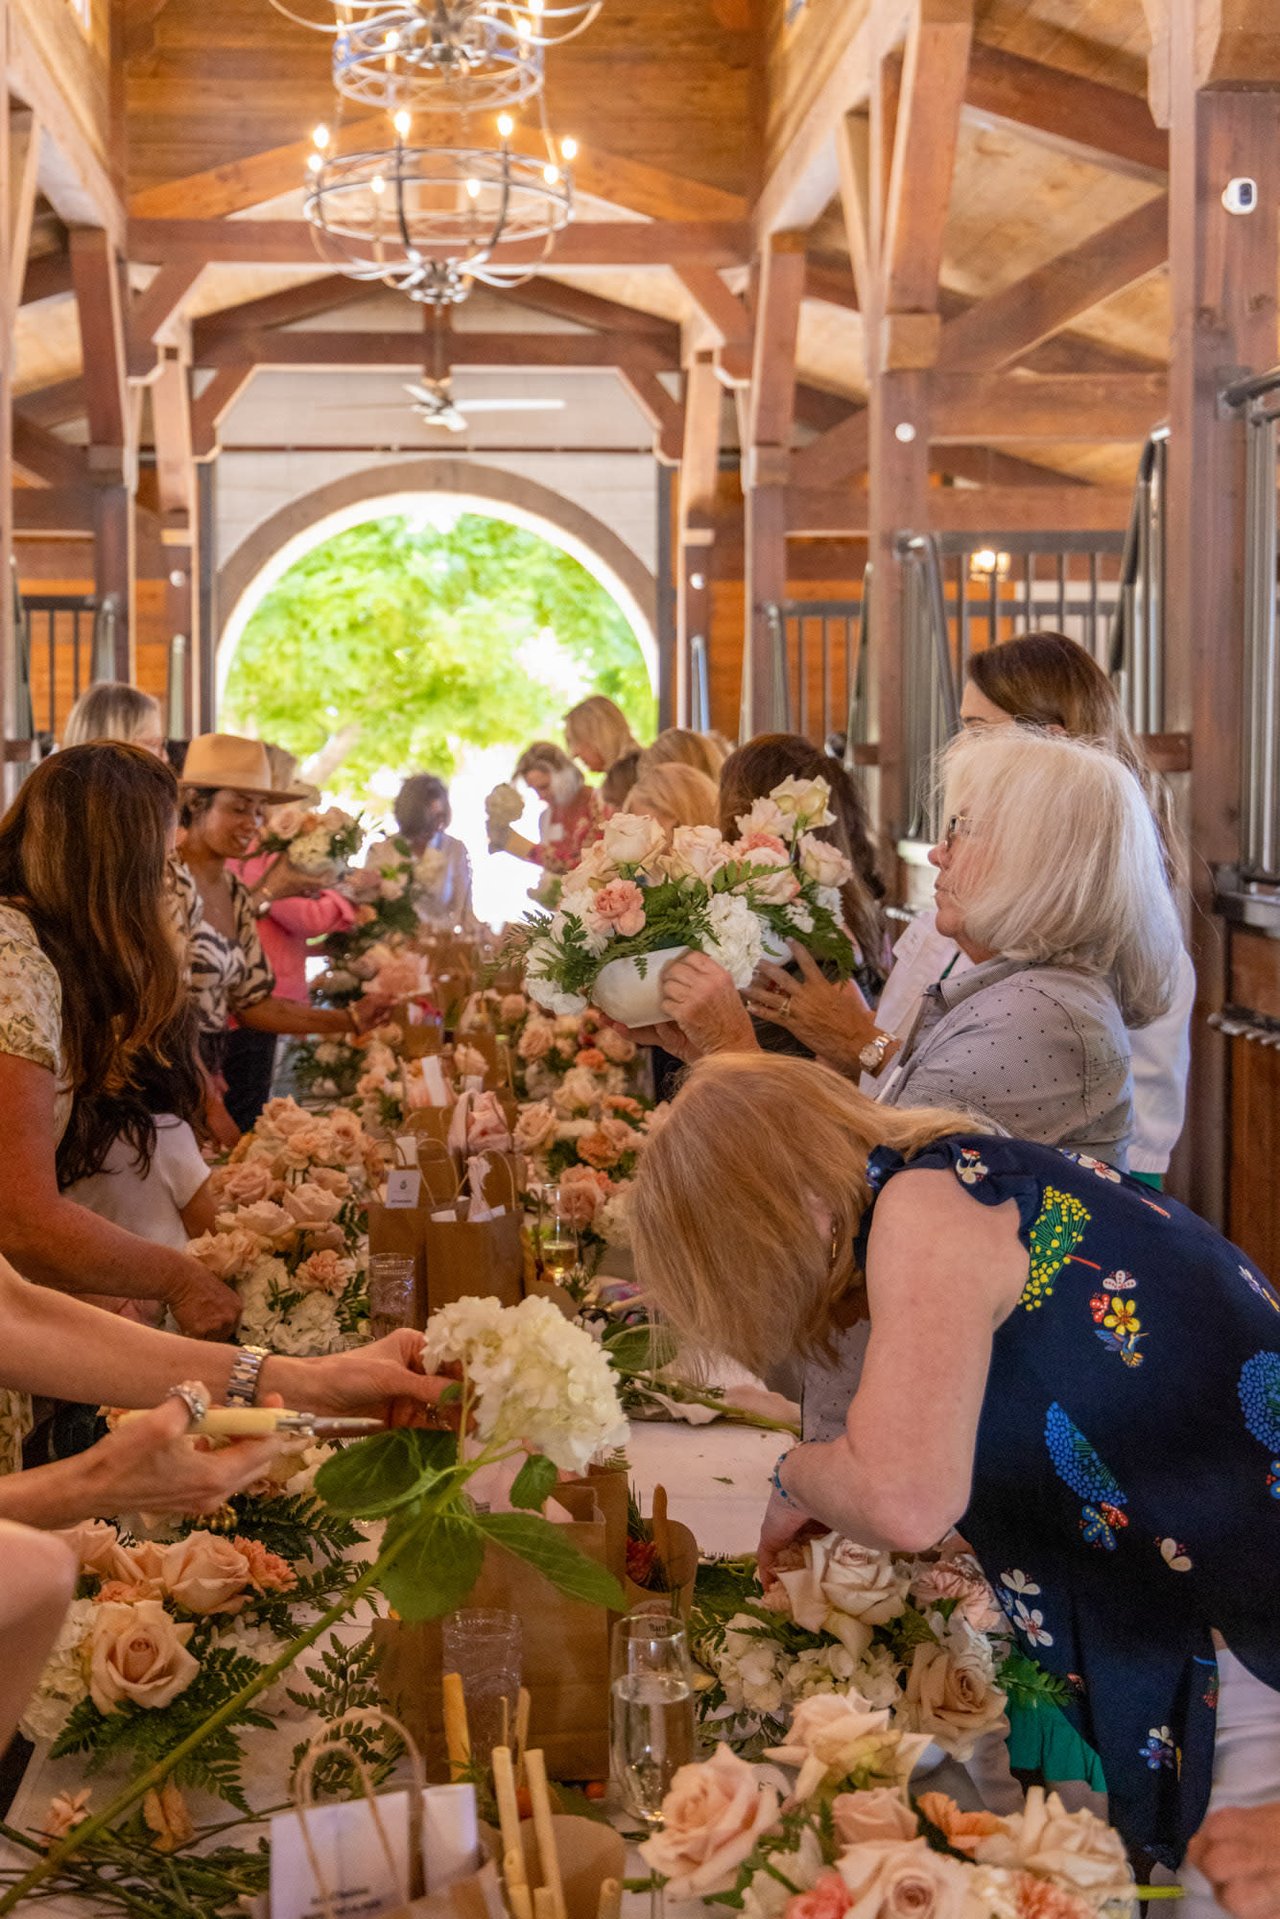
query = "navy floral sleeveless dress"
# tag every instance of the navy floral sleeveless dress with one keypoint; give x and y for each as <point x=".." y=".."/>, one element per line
<point x="1126" y="1489"/>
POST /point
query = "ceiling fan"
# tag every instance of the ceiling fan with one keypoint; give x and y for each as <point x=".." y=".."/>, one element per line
<point x="433" y="394"/>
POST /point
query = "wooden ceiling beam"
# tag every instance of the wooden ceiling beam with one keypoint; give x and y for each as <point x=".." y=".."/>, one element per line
<point x="1097" y="407"/>
<point x="586" y="243"/>
<point x="240" y="185"/>
<point x="73" y="176"/>
<point x="212" y="406"/>
<point x="25" y="136"/>
<point x="172" y="428"/>
<point x="771" y="410"/>
<point x="53" y="509"/>
<point x="327" y="294"/>
<point x="54" y="405"/>
<point x="987" y="466"/>
<point x="700" y="459"/>
<point x="47" y="277"/>
<point x="842" y="450"/>
<point x="406" y="350"/>
<point x="842" y="512"/>
<point x="1009" y="324"/>
<point x="44" y="458"/>
<point x="725" y="317"/>
<point x="639" y="370"/>
<point x="154" y="309"/>
<point x="542" y="295"/>
<point x="1081" y="117"/>
<point x="926" y="130"/>
<point x="99" y="288"/>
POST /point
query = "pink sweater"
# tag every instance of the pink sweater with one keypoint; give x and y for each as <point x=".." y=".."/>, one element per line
<point x="285" y="930"/>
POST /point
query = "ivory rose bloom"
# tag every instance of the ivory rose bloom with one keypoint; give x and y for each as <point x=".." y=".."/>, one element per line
<point x="712" y="1816"/>
<point x="621" y="905"/>
<point x="138" y="1655"/>
<point x="903" y="1879"/>
<point x="697" y="852"/>
<point x="310" y="1205"/>
<point x="325" y="1271"/>
<point x="1071" y="1848"/>
<point x="765" y="817"/>
<point x="266" y="1219"/>
<point x="841" y="1588"/>
<point x="822" y="862"/>
<point x="576" y="1092"/>
<point x="535" y="1127"/>
<point x="247" y="1183"/>
<point x="881" y="1813"/>
<point x="227" y="1255"/>
<point x="803" y="801"/>
<point x="630" y="839"/>
<point x="536" y="1041"/>
<point x="283" y="1117"/>
<point x="206" y="1573"/>
<point x="837" y="1736"/>
<point x="952" y="1696"/>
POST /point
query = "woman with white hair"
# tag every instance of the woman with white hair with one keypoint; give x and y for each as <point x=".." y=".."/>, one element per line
<point x="1083" y="1381"/>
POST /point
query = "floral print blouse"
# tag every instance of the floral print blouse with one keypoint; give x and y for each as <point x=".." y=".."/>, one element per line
<point x="226" y="974"/>
<point x="31" y="1029"/>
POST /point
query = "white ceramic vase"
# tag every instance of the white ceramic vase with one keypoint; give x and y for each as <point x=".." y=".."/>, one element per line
<point x="627" y="995"/>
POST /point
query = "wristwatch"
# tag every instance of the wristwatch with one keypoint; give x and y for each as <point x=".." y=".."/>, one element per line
<point x="242" y="1387"/>
<point x="871" y="1058"/>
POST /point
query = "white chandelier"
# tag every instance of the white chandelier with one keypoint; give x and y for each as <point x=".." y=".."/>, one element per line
<point x="430" y="219"/>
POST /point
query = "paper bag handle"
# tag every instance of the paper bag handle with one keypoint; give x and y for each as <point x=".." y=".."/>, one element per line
<point x="333" y="1742"/>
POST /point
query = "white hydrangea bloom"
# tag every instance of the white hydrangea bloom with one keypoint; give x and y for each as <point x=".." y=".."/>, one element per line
<point x="737" y="939"/>
<point x="64" y="1681"/>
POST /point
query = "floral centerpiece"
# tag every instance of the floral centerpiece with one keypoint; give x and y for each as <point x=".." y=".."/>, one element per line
<point x="922" y="1637"/>
<point x="849" y="1842"/>
<point x="582" y="1048"/>
<point x="290" y="1235"/>
<point x="319" y="845"/>
<point x="382" y="892"/>
<point x="633" y="897"/>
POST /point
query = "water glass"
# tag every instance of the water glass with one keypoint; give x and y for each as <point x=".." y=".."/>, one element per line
<point x="650" y="1710"/>
<point x="391" y="1293"/>
<point x="483" y="1646"/>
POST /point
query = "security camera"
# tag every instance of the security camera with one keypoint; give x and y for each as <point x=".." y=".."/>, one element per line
<point x="1240" y="196"/>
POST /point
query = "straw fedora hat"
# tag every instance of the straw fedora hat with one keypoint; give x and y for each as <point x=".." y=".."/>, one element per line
<point x="217" y="760"/>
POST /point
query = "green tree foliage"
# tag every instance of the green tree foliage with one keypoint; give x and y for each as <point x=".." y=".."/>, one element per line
<point x="426" y="640"/>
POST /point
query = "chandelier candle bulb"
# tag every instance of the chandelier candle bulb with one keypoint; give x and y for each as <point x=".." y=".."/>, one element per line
<point x="569" y="149"/>
<point x="402" y="123"/>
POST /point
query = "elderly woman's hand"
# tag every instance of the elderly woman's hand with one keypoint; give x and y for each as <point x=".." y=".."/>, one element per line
<point x="149" y="1464"/>
<point x="834" y="1022"/>
<point x="784" y="1523"/>
<point x="1238" y="1851"/>
<point x="702" y="1000"/>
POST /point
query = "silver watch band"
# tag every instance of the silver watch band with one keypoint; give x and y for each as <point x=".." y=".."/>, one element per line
<point x="242" y="1387"/>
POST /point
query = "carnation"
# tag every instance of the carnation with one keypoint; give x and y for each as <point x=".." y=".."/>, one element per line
<point x="539" y="1381"/>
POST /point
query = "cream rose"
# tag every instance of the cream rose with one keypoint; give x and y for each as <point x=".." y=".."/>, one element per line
<point x="835" y="1736"/>
<point x="227" y="1255"/>
<point x="205" y="1573"/>
<point x="332" y="1180"/>
<point x="632" y="839"/>
<point x="138" y="1655"/>
<point x="712" y="1817"/>
<point x="536" y="1041"/>
<point x="822" y="862"/>
<point x="535" y="1127"/>
<point x="266" y="1219"/>
<point x="952" y="1696"/>
<point x="882" y="1813"/>
<point x="844" y="1589"/>
<point x="283" y="1117"/>
<point x="903" y="1879"/>
<point x="310" y="1205"/>
<point x="697" y="852"/>
<point x="247" y="1183"/>
<point x="96" y="1544"/>
<point x="765" y="817"/>
<point x="803" y="802"/>
<point x="576" y="1093"/>
<point x="1071" y="1849"/>
<point x="619" y="1048"/>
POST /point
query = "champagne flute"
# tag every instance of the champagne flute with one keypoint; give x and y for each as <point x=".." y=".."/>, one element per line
<point x="650" y="1717"/>
<point x="559" y="1245"/>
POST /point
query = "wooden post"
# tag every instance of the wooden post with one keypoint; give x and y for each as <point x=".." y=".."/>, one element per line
<point x="1223" y="273"/>
<point x="699" y="469"/>
<point x="767" y="468"/>
<point x="114" y="570"/>
<point x="8" y="778"/>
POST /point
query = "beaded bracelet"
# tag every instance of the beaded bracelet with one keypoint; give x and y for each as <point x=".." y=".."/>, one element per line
<point x="778" y="1486"/>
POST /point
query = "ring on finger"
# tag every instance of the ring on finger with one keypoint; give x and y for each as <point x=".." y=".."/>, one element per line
<point x="193" y="1398"/>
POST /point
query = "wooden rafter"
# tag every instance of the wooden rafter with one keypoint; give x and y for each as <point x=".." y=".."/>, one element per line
<point x="44" y="458"/>
<point x="53" y="509"/>
<point x="23" y="169"/>
<point x="214" y="403"/>
<point x="842" y="512"/>
<point x="306" y="302"/>
<point x="585" y="243"/>
<point x="772" y="407"/>
<point x="640" y="370"/>
<point x="314" y="348"/>
<point x="541" y="295"/>
<point x="1082" y="117"/>
<point x="172" y="426"/>
<point x="926" y="129"/>
<point x="726" y="318"/>
<point x="47" y="277"/>
<point x="1080" y="406"/>
<point x="98" y="282"/>
<point x="151" y="312"/>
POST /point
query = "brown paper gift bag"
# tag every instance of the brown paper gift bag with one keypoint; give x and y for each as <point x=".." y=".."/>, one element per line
<point x="466" y="1260"/>
<point x="418" y="1037"/>
<point x="565" y="1656"/>
<point x="441" y="1174"/>
<point x="399" y="1230"/>
<point x="682" y="1569"/>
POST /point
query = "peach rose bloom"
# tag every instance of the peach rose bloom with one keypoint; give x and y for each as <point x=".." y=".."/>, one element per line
<point x="621" y="1104"/>
<point x="598" y="1150"/>
<point x="227" y="1255"/>
<point x="961" y="1830"/>
<point x="828" y="1899"/>
<point x="617" y="1047"/>
<point x="879" y="1814"/>
<point x="712" y="1816"/>
<point x="166" y="1815"/>
<point x="952" y="1697"/>
<point x="331" y="1180"/>
<point x="283" y="1117"/>
<point x="347" y="1132"/>
<point x="205" y="1573"/>
<point x="593" y="1059"/>
<point x="310" y="1205"/>
<point x="268" y="1573"/>
<point x="252" y="1180"/>
<point x="139" y="1654"/>
<point x="535" y="1127"/>
<point x="266" y="1219"/>
<point x="324" y="1272"/>
<point x="512" y="1007"/>
<point x="314" y="1142"/>
<point x="94" y="1542"/>
<point x="536" y="1041"/>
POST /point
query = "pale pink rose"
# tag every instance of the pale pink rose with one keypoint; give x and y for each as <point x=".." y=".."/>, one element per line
<point x="314" y="1142"/>
<point x="828" y="1899"/>
<point x="286" y="822"/>
<point x="67" y="1810"/>
<point x="247" y="1183"/>
<point x="697" y="852"/>
<point x="487" y="1128"/>
<point x="227" y="1255"/>
<point x="619" y="1134"/>
<point x="822" y="862"/>
<point x="831" y="1585"/>
<point x="961" y="1830"/>
<point x="134" y="1572"/>
<point x="903" y="1879"/>
<point x="325" y="1271"/>
<point x="598" y="1150"/>
<point x="766" y="818"/>
<point x="576" y="1093"/>
<point x="309" y="1205"/>
<point x="1039" y="1899"/>
<point x="266" y="1219"/>
<point x="621" y="905"/>
<point x="332" y="1180"/>
<point x="619" y="1048"/>
<point x="95" y="1543"/>
<point x="881" y="1813"/>
<point x="834" y="1735"/>
<point x="347" y="1135"/>
<point x="283" y="1117"/>
<point x="961" y="1579"/>
<point x="952" y="1697"/>
<point x="583" y="1192"/>
<point x="535" y="1127"/>
<point x="769" y="877"/>
<point x="139" y="1653"/>
<point x="324" y="1239"/>
<point x="536" y="1041"/>
<point x="205" y="1573"/>
<point x="268" y="1573"/>
<point x="712" y="1816"/>
<point x="376" y="1080"/>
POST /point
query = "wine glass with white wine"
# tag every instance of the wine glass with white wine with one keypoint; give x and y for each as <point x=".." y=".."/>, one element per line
<point x="559" y="1237"/>
<point x="651" y="1724"/>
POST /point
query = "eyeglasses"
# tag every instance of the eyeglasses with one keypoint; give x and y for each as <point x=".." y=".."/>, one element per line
<point x="954" y="828"/>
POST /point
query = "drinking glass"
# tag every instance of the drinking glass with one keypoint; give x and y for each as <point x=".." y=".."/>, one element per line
<point x="559" y="1235"/>
<point x="483" y="1646"/>
<point x="391" y="1293"/>
<point x="650" y="1716"/>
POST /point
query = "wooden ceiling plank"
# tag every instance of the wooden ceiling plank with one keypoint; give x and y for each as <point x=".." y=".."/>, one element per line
<point x="72" y="174"/>
<point x="54" y="405"/>
<point x="213" y="405"/>
<point x="1083" y="406"/>
<point x="44" y="458"/>
<point x="1082" y="117"/>
<point x="97" y="279"/>
<point x="802" y="173"/>
<point x="25" y="137"/>
<point x="1009" y="324"/>
<point x="405" y="350"/>
<point x="585" y="243"/>
<point x="926" y="130"/>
